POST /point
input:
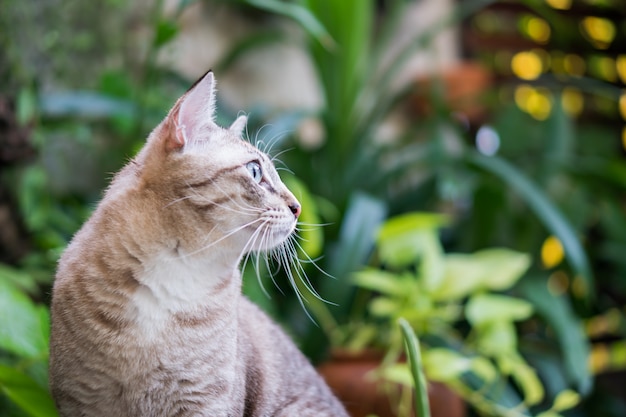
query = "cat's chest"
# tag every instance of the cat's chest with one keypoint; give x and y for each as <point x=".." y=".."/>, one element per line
<point x="182" y="299"/>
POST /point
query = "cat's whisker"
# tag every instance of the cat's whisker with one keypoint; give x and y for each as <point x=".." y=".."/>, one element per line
<point x="309" y="260"/>
<point x="178" y="200"/>
<point x="227" y="235"/>
<point x="243" y="210"/>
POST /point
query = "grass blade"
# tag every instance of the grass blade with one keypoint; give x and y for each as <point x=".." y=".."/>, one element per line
<point x="422" y="407"/>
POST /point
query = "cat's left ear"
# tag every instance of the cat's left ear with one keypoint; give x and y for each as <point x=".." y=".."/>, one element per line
<point x="195" y="112"/>
<point x="238" y="126"/>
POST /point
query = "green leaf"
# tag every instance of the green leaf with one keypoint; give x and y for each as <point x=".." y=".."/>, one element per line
<point x="312" y="235"/>
<point x="384" y="307"/>
<point x="382" y="281"/>
<point x="361" y="220"/>
<point x="26" y="106"/>
<point x="166" y="30"/>
<point x="404" y="240"/>
<point x="525" y="376"/>
<point x="18" y="278"/>
<point x="412" y="346"/>
<point x="445" y="365"/>
<point x="565" y="400"/>
<point x="568" y="328"/>
<point x="493" y="269"/>
<point x="487" y="308"/>
<point x="23" y="325"/>
<point x="496" y="338"/>
<point x="300" y="14"/>
<point x="544" y="209"/>
<point x="484" y="369"/>
<point x="25" y="393"/>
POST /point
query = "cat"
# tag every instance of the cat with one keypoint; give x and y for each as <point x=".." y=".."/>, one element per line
<point x="148" y="318"/>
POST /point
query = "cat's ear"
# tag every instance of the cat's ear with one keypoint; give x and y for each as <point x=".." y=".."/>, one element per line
<point x="195" y="112"/>
<point x="238" y="126"/>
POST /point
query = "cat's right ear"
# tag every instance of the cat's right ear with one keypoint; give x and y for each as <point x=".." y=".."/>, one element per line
<point x="194" y="112"/>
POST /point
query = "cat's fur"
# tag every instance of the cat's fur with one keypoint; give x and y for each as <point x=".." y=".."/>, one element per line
<point x="147" y="313"/>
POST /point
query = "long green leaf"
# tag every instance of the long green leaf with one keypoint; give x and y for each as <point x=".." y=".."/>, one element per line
<point x="34" y="400"/>
<point x="300" y="14"/>
<point x="422" y="407"/>
<point x="567" y="327"/>
<point x="544" y="209"/>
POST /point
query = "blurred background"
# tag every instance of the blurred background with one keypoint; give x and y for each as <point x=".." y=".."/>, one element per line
<point x="461" y="164"/>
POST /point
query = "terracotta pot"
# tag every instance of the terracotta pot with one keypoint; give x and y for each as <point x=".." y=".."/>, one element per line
<point x="346" y="374"/>
<point x="464" y="86"/>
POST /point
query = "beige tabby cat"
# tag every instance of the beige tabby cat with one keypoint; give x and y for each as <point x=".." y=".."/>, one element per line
<point x="147" y="313"/>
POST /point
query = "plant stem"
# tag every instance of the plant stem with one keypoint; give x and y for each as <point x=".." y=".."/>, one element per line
<point x="422" y="407"/>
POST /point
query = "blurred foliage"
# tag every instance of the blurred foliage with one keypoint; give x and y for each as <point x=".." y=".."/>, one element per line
<point x="553" y="189"/>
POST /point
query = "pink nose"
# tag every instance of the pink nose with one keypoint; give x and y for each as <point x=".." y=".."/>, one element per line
<point x="295" y="209"/>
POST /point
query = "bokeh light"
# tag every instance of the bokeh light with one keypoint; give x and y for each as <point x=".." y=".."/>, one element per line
<point x="572" y="101"/>
<point x="527" y="65"/>
<point x="487" y="140"/>
<point x="536" y="29"/>
<point x="620" y="65"/>
<point x="535" y="101"/>
<point x="574" y="65"/>
<point x="560" y="4"/>
<point x="603" y="67"/>
<point x="598" y="30"/>
<point x="552" y="252"/>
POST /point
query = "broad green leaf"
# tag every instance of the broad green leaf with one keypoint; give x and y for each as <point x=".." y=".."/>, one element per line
<point x="484" y="369"/>
<point x="23" y="325"/>
<point x="544" y="209"/>
<point x="384" y="282"/>
<point x="525" y="376"/>
<point x="398" y="373"/>
<point x="408" y="239"/>
<point x="493" y="269"/>
<point x="384" y="307"/>
<point x="312" y="241"/>
<point x="568" y="328"/>
<point x="496" y="338"/>
<point x="445" y="365"/>
<point x="24" y="392"/>
<point x="487" y="308"/>
<point x="18" y="278"/>
<point x="565" y="400"/>
<point x="166" y="30"/>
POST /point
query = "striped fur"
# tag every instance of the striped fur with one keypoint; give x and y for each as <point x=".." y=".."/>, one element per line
<point x="147" y="313"/>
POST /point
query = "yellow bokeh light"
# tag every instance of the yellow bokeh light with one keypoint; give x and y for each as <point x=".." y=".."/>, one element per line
<point x="560" y="4"/>
<point x="552" y="252"/>
<point x="527" y="65"/>
<point x="539" y="104"/>
<point x="574" y="65"/>
<point x="522" y="94"/>
<point x="572" y="101"/>
<point x="538" y="30"/>
<point x="603" y="67"/>
<point x="622" y="105"/>
<point x="536" y="102"/>
<point x="599" y="31"/>
<point x="599" y="358"/>
<point x="620" y="65"/>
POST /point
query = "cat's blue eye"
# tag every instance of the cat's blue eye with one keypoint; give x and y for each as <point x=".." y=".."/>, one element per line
<point x="254" y="168"/>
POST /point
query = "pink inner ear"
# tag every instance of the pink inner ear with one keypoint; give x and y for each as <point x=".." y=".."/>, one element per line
<point x="196" y="110"/>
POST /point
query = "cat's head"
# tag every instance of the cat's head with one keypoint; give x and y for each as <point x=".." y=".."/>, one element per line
<point x="217" y="189"/>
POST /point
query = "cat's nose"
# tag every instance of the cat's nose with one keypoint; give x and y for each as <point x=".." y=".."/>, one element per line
<point x="295" y="209"/>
